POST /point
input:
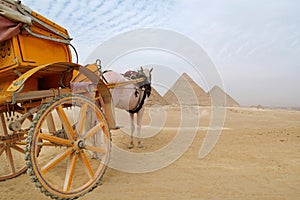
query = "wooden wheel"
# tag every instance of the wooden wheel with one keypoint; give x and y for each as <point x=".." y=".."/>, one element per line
<point x="12" y="146"/>
<point x="75" y="141"/>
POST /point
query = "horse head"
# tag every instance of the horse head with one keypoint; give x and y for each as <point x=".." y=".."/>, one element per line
<point x="145" y="73"/>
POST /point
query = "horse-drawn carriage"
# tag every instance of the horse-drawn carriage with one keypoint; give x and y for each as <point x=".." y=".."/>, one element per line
<point x="55" y="113"/>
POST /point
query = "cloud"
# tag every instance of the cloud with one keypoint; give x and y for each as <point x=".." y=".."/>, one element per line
<point x="91" y="22"/>
<point x="238" y="35"/>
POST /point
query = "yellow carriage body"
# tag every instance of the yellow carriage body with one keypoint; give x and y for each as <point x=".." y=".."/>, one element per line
<point x="24" y="51"/>
<point x="39" y="54"/>
<point x="43" y="42"/>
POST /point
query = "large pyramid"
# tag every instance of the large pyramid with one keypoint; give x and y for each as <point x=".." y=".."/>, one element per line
<point x="155" y="98"/>
<point x="186" y="92"/>
<point x="217" y="94"/>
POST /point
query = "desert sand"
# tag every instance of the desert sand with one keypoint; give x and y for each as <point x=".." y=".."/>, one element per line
<point x="256" y="157"/>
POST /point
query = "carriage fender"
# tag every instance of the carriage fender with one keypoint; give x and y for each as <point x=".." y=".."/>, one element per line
<point x="104" y="91"/>
<point x="19" y="82"/>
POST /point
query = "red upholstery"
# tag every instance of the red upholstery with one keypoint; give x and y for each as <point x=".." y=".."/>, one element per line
<point x="8" y="28"/>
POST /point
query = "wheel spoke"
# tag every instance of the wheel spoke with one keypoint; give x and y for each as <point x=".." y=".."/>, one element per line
<point x="70" y="172"/>
<point x="11" y="160"/>
<point x="55" y="139"/>
<point x="88" y="168"/>
<point x="2" y="149"/>
<point x="19" y="149"/>
<point x="21" y="143"/>
<point x="3" y="123"/>
<point x="50" y="123"/>
<point x="65" y="122"/>
<point x="56" y="160"/>
<point x="49" y="144"/>
<point x="81" y="118"/>
<point x="95" y="149"/>
<point x="93" y="130"/>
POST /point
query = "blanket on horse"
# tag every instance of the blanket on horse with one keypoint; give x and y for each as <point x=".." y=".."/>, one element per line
<point x="145" y="87"/>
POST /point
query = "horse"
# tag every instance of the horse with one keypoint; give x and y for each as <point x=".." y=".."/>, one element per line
<point x="131" y="97"/>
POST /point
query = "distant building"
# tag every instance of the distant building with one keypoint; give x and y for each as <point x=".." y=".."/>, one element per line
<point x="221" y="98"/>
<point x="186" y="91"/>
<point x="156" y="99"/>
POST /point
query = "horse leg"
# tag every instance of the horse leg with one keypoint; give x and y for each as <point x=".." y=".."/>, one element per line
<point x="90" y="122"/>
<point x="132" y="127"/>
<point x="139" y="126"/>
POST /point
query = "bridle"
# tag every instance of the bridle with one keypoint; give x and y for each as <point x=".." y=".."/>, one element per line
<point x="147" y="78"/>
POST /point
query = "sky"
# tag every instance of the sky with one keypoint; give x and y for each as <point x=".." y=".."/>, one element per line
<point x="254" y="44"/>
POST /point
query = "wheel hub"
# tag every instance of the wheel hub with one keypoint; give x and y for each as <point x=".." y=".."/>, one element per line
<point x="80" y="144"/>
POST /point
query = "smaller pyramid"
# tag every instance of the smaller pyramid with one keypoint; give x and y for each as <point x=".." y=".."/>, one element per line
<point x="155" y="98"/>
<point x="221" y="98"/>
<point x="186" y="91"/>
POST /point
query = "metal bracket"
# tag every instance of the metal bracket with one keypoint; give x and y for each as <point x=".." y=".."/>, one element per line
<point x="16" y="125"/>
<point x="99" y="67"/>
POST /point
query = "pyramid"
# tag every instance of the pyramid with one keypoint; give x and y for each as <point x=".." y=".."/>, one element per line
<point x="155" y="98"/>
<point x="217" y="94"/>
<point x="186" y="92"/>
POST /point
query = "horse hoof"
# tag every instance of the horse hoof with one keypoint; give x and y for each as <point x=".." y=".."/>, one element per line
<point x="140" y="145"/>
<point x="131" y="145"/>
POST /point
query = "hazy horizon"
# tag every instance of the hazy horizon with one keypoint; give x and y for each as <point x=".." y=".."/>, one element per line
<point x="254" y="45"/>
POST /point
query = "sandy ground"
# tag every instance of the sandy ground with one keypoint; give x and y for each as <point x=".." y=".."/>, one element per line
<point x="256" y="157"/>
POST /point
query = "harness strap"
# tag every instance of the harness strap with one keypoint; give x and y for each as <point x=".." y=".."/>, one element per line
<point x="139" y="104"/>
<point x="102" y="76"/>
<point x="132" y="75"/>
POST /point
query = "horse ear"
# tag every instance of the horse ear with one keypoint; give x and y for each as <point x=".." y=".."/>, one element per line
<point x="151" y="69"/>
<point x="142" y="68"/>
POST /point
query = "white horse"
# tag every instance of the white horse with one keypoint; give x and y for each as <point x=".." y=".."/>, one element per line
<point x="132" y="97"/>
